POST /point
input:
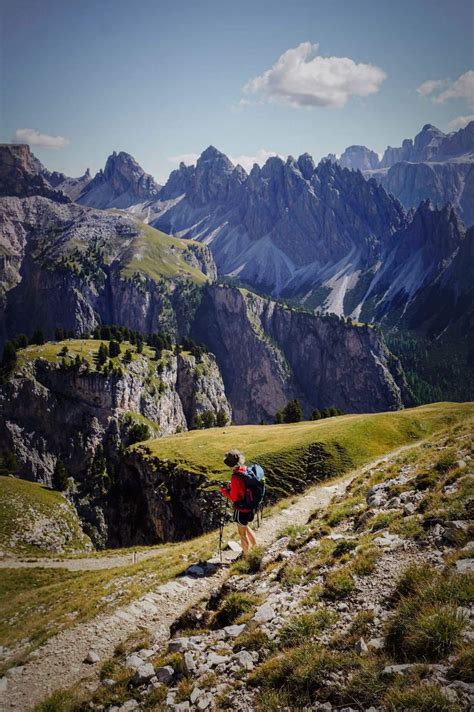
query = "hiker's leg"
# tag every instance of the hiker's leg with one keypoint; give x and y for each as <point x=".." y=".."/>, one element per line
<point x="243" y="537"/>
<point x="251" y="538"/>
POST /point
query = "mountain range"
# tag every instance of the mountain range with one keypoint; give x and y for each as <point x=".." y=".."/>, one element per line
<point x="329" y="237"/>
<point x="332" y="236"/>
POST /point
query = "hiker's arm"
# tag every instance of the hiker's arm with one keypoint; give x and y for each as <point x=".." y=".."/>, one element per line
<point x="226" y="491"/>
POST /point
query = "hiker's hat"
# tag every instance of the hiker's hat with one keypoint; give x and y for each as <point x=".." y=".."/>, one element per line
<point x="234" y="458"/>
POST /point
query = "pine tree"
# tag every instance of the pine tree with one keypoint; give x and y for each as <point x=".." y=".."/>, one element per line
<point x="8" y="361"/>
<point x="316" y="414"/>
<point x="37" y="338"/>
<point x="60" y="476"/>
<point x="114" y="349"/>
<point x="221" y="418"/>
<point x="278" y="417"/>
<point x="102" y="355"/>
<point x="292" y="412"/>
<point x="21" y="341"/>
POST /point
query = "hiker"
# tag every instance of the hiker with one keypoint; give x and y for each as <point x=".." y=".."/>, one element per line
<point x="240" y="492"/>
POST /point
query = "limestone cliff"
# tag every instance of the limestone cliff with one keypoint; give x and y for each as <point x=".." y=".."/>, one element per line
<point x="269" y="354"/>
<point x="53" y="409"/>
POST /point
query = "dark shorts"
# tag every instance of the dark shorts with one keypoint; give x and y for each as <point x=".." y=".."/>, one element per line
<point x="243" y="518"/>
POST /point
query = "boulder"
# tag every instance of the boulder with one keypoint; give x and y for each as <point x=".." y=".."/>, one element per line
<point x="164" y="674"/>
<point x="465" y="566"/>
<point x="92" y="657"/>
<point x="232" y="631"/>
<point x="264" y="613"/>
<point x="178" y="645"/>
<point x="214" y="659"/>
<point x="361" y="647"/>
<point x="133" y="661"/>
<point x="398" y="669"/>
<point x="244" y="660"/>
<point x="455" y="531"/>
<point x="144" y="674"/>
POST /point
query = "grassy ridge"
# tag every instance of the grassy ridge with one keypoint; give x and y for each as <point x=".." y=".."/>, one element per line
<point x="33" y="518"/>
<point x="296" y="454"/>
<point x="157" y="255"/>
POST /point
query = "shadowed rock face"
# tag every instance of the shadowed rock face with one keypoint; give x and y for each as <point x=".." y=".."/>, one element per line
<point x="21" y="174"/>
<point x="270" y="354"/>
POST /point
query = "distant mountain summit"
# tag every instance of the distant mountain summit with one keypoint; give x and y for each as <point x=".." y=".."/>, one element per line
<point x="21" y="174"/>
<point x="121" y="184"/>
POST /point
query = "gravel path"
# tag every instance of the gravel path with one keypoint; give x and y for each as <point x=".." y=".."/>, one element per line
<point x="59" y="663"/>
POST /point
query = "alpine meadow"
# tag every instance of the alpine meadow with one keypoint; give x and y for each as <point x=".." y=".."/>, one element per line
<point x="236" y="356"/>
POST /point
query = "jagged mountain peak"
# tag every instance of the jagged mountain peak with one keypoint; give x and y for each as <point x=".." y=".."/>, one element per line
<point x="23" y="175"/>
<point x="121" y="183"/>
<point x="306" y="165"/>
<point x="212" y="158"/>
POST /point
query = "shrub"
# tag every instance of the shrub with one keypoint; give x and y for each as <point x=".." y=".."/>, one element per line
<point x="59" y="701"/>
<point x="255" y="639"/>
<point x="300" y="628"/>
<point x="420" y="698"/>
<point x="301" y="673"/>
<point x="250" y="563"/>
<point x="344" y="546"/>
<point x="445" y="463"/>
<point x="365" y="562"/>
<point x="138" y="432"/>
<point x="337" y="512"/>
<point x="338" y="584"/>
<point x="313" y="596"/>
<point x="367" y="684"/>
<point x="463" y="665"/>
<point x="234" y="605"/>
<point x="8" y="361"/>
<point x="60" y="477"/>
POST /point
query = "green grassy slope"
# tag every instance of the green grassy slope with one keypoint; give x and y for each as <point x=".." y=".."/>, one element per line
<point x="289" y="452"/>
<point x="85" y="348"/>
<point x="157" y="255"/>
<point x="37" y="520"/>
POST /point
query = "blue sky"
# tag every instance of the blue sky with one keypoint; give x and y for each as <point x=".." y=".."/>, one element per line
<point x="162" y="80"/>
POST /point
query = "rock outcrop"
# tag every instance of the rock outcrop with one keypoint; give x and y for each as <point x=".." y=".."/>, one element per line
<point x="359" y="158"/>
<point x="21" y="174"/>
<point x="91" y="415"/>
<point x="122" y="183"/>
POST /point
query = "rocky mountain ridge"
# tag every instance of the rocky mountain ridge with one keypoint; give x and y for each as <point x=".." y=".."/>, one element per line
<point x="122" y="183"/>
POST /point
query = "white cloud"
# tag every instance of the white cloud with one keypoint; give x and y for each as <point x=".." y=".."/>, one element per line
<point x="460" y="122"/>
<point x="188" y="158"/>
<point x="35" y="138"/>
<point x="300" y="77"/>
<point x="440" y="90"/>
<point x="462" y="88"/>
<point x="430" y="85"/>
<point x="245" y="160"/>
